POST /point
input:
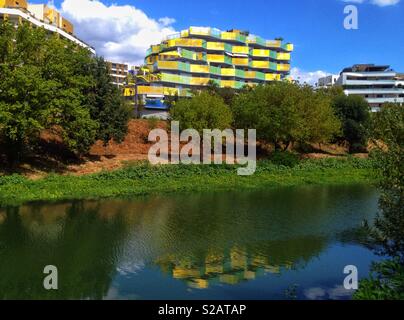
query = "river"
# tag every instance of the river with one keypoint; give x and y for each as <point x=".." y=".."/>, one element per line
<point x="287" y="243"/>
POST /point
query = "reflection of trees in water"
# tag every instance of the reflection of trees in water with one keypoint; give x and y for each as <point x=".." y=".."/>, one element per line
<point x="83" y="250"/>
<point x="203" y="238"/>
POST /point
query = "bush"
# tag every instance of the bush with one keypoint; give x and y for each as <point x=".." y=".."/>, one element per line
<point x="203" y="111"/>
<point x="286" y="159"/>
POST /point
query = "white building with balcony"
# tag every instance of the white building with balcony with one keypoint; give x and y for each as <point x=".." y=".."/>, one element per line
<point x="378" y="84"/>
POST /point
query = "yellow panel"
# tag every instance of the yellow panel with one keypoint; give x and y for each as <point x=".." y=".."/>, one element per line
<point x="170" y="91"/>
<point x="200" y="31"/>
<point x="129" y="92"/>
<point x="173" y="65"/>
<point x="250" y="74"/>
<point x="289" y="47"/>
<point x="199" y="68"/>
<point x="173" y="53"/>
<point x="195" y="43"/>
<point x="181" y="273"/>
<point x="227" y="83"/>
<point x="199" y="283"/>
<point x="240" y="61"/>
<point x="260" y="64"/>
<point x="150" y="90"/>
<point x="230" y="72"/>
<point x="283" y="56"/>
<point x="260" y="53"/>
<point x="241" y="49"/>
<point x="199" y="81"/>
<point x="229" y="36"/>
<point x="274" y="43"/>
<point x="215" y="46"/>
<point x="283" y="67"/>
<point x="272" y="76"/>
<point x="215" y="58"/>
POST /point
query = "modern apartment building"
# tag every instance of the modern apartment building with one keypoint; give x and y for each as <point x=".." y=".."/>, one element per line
<point x="39" y="15"/>
<point x="118" y="73"/>
<point x="196" y="56"/>
<point x="327" y="81"/>
<point x="378" y="84"/>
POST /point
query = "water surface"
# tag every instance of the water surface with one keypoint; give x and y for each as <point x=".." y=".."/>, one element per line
<point x="268" y="244"/>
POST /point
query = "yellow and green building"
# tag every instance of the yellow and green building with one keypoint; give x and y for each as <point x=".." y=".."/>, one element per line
<point x="196" y="56"/>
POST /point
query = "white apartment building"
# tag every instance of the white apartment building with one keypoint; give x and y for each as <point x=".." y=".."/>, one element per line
<point x="378" y="84"/>
<point x="42" y="16"/>
<point x="328" y="81"/>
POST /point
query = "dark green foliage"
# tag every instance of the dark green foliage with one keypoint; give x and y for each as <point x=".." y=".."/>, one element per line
<point x="386" y="282"/>
<point x="283" y="113"/>
<point x="227" y="94"/>
<point x="354" y="113"/>
<point x="107" y="106"/>
<point x="287" y="159"/>
<point x="50" y="83"/>
<point x="387" y="235"/>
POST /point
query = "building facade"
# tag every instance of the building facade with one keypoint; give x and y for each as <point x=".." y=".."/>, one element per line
<point x="198" y="56"/>
<point x="328" y="81"/>
<point x="378" y="84"/>
<point x="42" y="16"/>
<point x="118" y="73"/>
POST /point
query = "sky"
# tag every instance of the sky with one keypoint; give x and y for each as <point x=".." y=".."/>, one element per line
<point x="122" y="30"/>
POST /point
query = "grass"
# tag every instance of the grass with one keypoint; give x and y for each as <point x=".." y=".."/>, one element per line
<point x="141" y="179"/>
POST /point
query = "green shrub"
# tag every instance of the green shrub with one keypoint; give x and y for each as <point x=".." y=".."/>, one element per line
<point x="286" y="158"/>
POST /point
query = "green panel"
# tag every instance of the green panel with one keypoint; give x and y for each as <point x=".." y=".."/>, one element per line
<point x="216" y="81"/>
<point x="215" y="70"/>
<point x="186" y="67"/>
<point x="241" y="38"/>
<point x="228" y="60"/>
<point x="273" y="66"/>
<point x="273" y="54"/>
<point x="228" y="47"/>
<point x="240" y="73"/>
<point x="240" y="84"/>
<point x="187" y="54"/>
<point x="260" y="41"/>
<point x="259" y="75"/>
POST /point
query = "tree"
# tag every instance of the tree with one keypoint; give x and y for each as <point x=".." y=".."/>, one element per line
<point x="354" y="113"/>
<point x="107" y="106"/>
<point x="386" y="237"/>
<point x="50" y="83"/>
<point x="203" y="111"/>
<point x="283" y="113"/>
<point x="227" y="94"/>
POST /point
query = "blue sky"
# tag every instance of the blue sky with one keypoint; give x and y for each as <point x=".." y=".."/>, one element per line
<point x="314" y="26"/>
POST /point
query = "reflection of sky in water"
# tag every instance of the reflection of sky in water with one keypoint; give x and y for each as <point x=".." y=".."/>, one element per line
<point x="271" y="244"/>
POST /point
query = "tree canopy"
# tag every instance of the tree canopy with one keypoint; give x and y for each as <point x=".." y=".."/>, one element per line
<point x="203" y="111"/>
<point x="50" y="83"/>
<point x="284" y="112"/>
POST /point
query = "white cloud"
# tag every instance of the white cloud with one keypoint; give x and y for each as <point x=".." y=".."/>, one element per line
<point x="385" y="3"/>
<point x="121" y="33"/>
<point x="380" y="3"/>
<point x="310" y="77"/>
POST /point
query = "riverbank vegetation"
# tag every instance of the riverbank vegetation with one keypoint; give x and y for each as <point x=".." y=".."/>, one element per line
<point x="142" y="178"/>
<point x="47" y="83"/>
<point x="386" y="238"/>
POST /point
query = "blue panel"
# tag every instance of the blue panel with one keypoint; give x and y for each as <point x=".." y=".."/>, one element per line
<point x="155" y="104"/>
